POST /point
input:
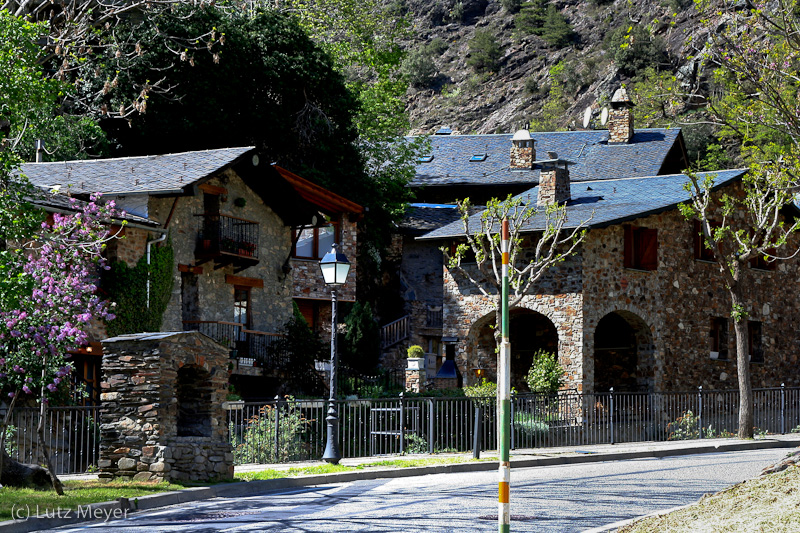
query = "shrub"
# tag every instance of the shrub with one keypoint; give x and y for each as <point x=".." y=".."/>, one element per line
<point x="418" y="67"/>
<point x="512" y="6"/>
<point x="257" y="443"/>
<point x="415" y="351"/>
<point x="555" y="29"/>
<point x="530" y="425"/>
<point x="362" y="339"/>
<point x="484" y="51"/>
<point x="415" y="444"/>
<point x="634" y="49"/>
<point x="484" y="392"/>
<point x="295" y="356"/>
<point x="545" y="374"/>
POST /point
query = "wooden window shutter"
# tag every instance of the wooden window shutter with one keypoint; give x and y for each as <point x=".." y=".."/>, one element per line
<point x="649" y="248"/>
<point x="628" y="246"/>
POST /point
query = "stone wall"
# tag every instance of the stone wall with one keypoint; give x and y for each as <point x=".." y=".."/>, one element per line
<point x="154" y="425"/>
<point x="620" y="125"/>
<point x="553" y="186"/>
<point x="668" y="312"/>
<point x="307" y="279"/>
<point x="272" y="304"/>
<point x="522" y="157"/>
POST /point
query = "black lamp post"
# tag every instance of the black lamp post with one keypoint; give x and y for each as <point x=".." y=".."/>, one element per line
<point x="334" y="267"/>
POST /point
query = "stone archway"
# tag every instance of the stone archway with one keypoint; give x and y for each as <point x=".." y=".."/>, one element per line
<point x="530" y="332"/>
<point x="624" y="353"/>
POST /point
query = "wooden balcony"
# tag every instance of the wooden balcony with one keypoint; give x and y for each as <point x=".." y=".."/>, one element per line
<point x="227" y="240"/>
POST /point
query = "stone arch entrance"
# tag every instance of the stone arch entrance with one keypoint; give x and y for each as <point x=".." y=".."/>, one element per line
<point x="530" y="332"/>
<point x="623" y="353"/>
<point x="194" y="391"/>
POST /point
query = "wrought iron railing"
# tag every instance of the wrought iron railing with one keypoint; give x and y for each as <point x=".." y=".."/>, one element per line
<point x="394" y="332"/>
<point x="295" y="430"/>
<point x="250" y="347"/>
<point x="225" y="234"/>
<point x="225" y="333"/>
<point x="434" y="317"/>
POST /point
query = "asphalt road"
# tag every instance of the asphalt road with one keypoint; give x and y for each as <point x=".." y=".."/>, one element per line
<point x="558" y="499"/>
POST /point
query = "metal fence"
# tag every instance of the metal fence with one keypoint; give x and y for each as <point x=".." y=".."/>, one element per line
<point x="72" y="435"/>
<point x="295" y="430"/>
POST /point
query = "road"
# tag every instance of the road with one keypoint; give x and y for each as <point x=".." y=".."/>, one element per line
<point x="558" y="499"/>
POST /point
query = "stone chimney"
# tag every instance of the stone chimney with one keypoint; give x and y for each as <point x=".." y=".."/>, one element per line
<point x="620" y="118"/>
<point x="523" y="151"/>
<point x="553" y="181"/>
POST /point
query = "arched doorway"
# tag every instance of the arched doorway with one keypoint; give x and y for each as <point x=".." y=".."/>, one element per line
<point x="623" y="353"/>
<point x="530" y="332"/>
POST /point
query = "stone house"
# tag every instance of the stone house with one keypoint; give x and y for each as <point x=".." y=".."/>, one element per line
<point x="639" y="307"/>
<point x="235" y="224"/>
<point x="482" y="167"/>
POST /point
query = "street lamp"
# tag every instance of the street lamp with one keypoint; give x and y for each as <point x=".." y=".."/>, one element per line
<point x="334" y="267"/>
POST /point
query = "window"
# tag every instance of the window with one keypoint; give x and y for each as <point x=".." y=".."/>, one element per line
<point x="425" y="158"/>
<point x="754" y="346"/>
<point x="478" y="158"/>
<point x="701" y="251"/>
<point x="719" y="338"/>
<point x="241" y="306"/>
<point x="759" y="263"/>
<point x="641" y="248"/>
<point x="314" y="243"/>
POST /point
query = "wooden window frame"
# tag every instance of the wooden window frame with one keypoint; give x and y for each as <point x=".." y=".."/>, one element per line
<point x="640" y="248"/>
<point x="759" y="263"/>
<point x="247" y="324"/>
<point x="316" y="253"/>
<point x="755" y="342"/>
<point x="701" y="251"/>
<point x="718" y="334"/>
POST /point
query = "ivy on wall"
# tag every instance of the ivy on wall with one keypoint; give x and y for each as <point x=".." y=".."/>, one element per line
<point x="127" y="287"/>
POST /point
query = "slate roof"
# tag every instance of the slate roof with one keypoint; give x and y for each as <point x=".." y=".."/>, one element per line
<point x="133" y="175"/>
<point x="607" y="202"/>
<point x="62" y="202"/>
<point x="594" y="158"/>
<point x="422" y="218"/>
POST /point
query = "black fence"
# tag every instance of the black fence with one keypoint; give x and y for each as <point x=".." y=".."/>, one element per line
<point x="295" y="430"/>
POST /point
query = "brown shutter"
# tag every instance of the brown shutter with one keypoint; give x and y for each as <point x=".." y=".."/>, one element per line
<point x="649" y="250"/>
<point x="627" y="231"/>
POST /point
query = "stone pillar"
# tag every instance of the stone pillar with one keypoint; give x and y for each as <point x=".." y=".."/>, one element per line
<point x="415" y="374"/>
<point x="553" y="185"/>
<point x="161" y="415"/>
<point x="620" y="118"/>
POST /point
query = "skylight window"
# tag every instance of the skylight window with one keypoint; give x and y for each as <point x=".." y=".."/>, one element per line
<point x="478" y="157"/>
<point x="425" y="158"/>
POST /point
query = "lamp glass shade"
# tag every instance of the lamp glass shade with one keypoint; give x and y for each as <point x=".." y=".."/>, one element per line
<point x="334" y="267"/>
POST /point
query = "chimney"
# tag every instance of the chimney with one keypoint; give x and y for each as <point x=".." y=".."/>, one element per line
<point x="39" y="150"/>
<point x="523" y="151"/>
<point x="553" y="180"/>
<point x="620" y="118"/>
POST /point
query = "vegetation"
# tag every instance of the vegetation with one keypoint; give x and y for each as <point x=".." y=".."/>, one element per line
<point x="538" y="17"/>
<point x="527" y="262"/>
<point x="256" y="444"/>
<point x="484" y="51"/>
<point x="635" y="49"/>
<point x="295" y="356"/>
<point x="362" y="339"/>
<point x="546" y="374"/>
<point x="127" y="288"/>
<point x="76" y="493"/>
<point x="419" y="66"/>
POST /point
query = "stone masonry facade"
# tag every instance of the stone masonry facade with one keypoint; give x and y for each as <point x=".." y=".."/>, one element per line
<point x="670" y="309"/>
<point x="161" y="416"/>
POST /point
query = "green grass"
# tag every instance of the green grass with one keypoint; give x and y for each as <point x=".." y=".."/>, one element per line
<point x="76" y="493"/>
<point x="767" y="504"/>
<point x="331" y="469"/>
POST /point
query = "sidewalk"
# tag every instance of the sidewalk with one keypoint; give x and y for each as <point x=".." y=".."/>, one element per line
<point x="526" y="458"/>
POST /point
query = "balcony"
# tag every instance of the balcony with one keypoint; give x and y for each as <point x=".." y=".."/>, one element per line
<point x="250" y="347"/>
<point x="227" y="240"/>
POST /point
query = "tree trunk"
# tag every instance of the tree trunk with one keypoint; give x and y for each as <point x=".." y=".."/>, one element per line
<point x="16" y="474"/>
<point x="742" y="367"/>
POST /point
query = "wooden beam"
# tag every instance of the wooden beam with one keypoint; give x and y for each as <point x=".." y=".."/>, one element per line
<point x="212" y="189"/>
<point x="244" y="282"/>
<point x="190" y="268"/>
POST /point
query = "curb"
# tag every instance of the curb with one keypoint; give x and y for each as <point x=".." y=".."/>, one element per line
<point x="120" y="508"/>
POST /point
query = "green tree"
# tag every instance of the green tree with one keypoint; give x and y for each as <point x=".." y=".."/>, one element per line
<point x="634" y="49"/>
<point x="556" y="30"/>
<point x="362" y="339"/>
<point x="484" y="51"/>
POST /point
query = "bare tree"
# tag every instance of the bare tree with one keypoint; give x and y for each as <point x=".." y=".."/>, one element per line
<point x="739" y="227"/>
<point x="538" y="240"/>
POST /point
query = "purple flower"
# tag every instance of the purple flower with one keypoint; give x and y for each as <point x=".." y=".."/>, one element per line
<point x="10" y="394"/>
<point x="25" y="389"/>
